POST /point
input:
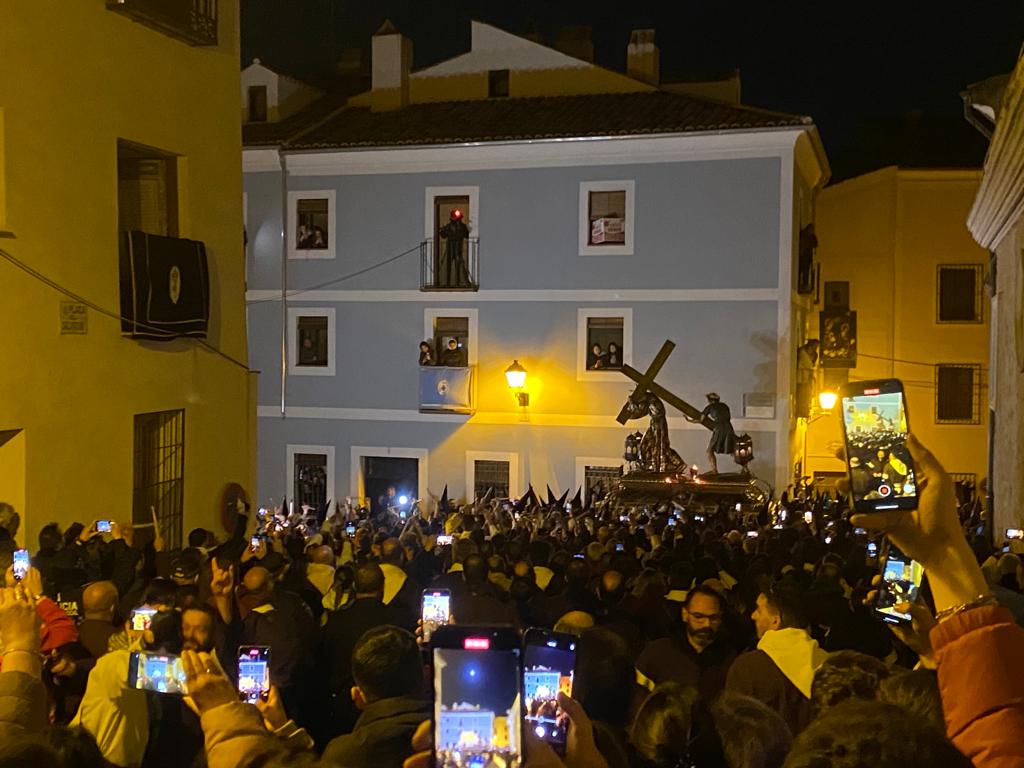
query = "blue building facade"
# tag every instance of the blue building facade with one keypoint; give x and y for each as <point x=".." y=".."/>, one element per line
<point x="686" y="228"/>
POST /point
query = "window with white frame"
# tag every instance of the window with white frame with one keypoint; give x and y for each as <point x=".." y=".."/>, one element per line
<point x="312" y="224"/>
<point x="606" y="218"/>
<point x="441" y="326"/>
<point x="311" y="341"/>
<point x="495" y="471"/>
<point x="604" y="343"/>
<point x="310" y="479"/>
<point x="597" y="475"/>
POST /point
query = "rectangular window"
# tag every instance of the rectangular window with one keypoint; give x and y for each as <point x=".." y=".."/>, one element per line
<point x="310" y="480"/>
<point x="159" y="472"/>
<point x="960" y="289"/>
<point x="312" y="223"/>
<point x="451" y="230"/>
<point x="598" y="481"/>
<point x="257" y="103"/>
<point x="492" y="469"/>
<point x="606" y="218"/>
<point x="604" y="343"/>
<point x="311" y="342"/>
<point x="310" y="475"/>
<point x="497" y="83"/>
<point x="491" y="475"/>
<point x="147" y="190"/>
<point x="440" y="326"/>
<point x="957" y="394"/>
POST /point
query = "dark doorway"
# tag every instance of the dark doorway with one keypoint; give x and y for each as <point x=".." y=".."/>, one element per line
<point x="382" y="472"/>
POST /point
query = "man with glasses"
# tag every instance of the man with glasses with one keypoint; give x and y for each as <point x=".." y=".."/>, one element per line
<point x="700" y="657"/>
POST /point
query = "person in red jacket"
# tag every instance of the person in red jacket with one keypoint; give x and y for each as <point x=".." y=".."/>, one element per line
<point x="979" y="650"/>
<point x="58" y="629"/>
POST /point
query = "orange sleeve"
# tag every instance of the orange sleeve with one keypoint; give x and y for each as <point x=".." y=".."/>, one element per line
<point x="980" y="655"/>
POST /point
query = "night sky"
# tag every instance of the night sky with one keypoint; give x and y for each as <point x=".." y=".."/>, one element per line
<point x="880" y="78"/>
<point x="485" y="679"/>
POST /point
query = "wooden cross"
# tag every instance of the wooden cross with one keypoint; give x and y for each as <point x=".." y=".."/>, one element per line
<point x="645" y="383"/>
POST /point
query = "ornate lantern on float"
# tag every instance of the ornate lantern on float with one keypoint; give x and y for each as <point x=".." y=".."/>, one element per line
<point x="632" y="451"/>
<point x="744" y="451"/>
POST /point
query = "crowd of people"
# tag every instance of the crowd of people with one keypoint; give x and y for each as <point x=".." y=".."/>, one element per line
<point x="711" y="639"/>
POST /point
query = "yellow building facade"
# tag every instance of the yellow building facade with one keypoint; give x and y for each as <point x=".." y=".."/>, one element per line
<point x="93" y="423"/>
<point x="896" y="242"/>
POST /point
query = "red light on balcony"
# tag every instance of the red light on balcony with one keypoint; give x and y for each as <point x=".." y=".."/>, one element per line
<point x="457" y="213"/>
<point x="477" y="644"/>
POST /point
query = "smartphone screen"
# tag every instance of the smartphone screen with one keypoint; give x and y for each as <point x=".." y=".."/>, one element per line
<point x="253" y="672"/>
<point x="901" y="581"/>
<point x="477" y="698"/>
<point x="872" y="549"/>
<point x="549" y="663"/>
<point x="160" y="673"/>
<point x="1014" y="533"/>
<point x="435" y="611"/>
<point x="21" y="564"/>
<point x="350" y="529"/>
<point x="875" y="426"/>
<point x="103" y="526"/>
<point x="254" y="543"/>
<point x="443" y="540"/>
<point x="142" y="618"/>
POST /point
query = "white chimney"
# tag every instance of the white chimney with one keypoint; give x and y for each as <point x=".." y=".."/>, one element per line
<point x="642" y="57"/>
<point x="391" y="62"/>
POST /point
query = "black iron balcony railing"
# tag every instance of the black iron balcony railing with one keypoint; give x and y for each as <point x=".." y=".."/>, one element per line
<point x="191" y="21"/>
<point x="446" y="266"/>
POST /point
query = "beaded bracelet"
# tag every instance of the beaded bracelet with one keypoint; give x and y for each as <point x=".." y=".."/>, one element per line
<point x="978" y="602"/>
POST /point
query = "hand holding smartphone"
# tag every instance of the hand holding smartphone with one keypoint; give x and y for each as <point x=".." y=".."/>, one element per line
<point x="21" y="564"/>
<point x="435" y="610"/>
<point x="901" y="582"/>
<point x="253" y="673"/>
<point x="875" y="429"/>
<point x="549" y="665"/>
<point x="160" y="673"/>
<point x="477" y="697"/>
<point x="142" y="618"/>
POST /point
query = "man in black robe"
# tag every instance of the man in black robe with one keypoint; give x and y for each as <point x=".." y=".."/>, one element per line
<point x="455" y="274"/>
<point x="723" y="436"/>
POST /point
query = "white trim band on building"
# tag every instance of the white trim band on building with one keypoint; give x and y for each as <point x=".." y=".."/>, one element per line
<point x="509" y="418"/>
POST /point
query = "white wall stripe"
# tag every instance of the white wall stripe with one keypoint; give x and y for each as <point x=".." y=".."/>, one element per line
<point x="492" y="418"/>
<point x="568" y="295"/>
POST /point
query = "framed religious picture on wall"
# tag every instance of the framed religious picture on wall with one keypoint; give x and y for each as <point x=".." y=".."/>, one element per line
<point x="838" y="337"/>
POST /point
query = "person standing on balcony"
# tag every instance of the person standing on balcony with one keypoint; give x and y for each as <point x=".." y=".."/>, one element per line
<point x="454" y="273"/>
<point x="454" y="356"/>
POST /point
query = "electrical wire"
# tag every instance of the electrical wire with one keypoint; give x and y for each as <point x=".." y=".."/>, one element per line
<point x="905" y="362"/>
<point x="109" y="313"/>
<point x="336" y="280"/>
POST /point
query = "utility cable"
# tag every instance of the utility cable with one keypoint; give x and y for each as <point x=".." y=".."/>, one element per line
<point x="109" y="313"/>
<point x="336" y="280"/>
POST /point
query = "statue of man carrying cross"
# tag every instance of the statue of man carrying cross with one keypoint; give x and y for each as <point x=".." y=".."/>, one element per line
<point x="656" y="454"/>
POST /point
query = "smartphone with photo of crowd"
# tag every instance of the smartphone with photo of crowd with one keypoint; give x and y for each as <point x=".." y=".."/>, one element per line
<point x="435" y="611"/>
<point x="875" y="428"/>
<point x="477" y="697"/>
<point x="157" y="672"/>
<point x="22" y="563"/>
<point x="549" y="665"/>
<point x="253" y="673"/>
<point x="901" y="583"/>
<point x="142" y="618"/>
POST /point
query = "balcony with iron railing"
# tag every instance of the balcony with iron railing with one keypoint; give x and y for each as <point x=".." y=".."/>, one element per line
<point x="450" y="266"/>
<point x="191" y="21"/>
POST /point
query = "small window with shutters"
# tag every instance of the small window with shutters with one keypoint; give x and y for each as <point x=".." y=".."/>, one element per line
<point x="957" y="394"/>
<point x="960" y="289"/>
<point x="147" y="190"/>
